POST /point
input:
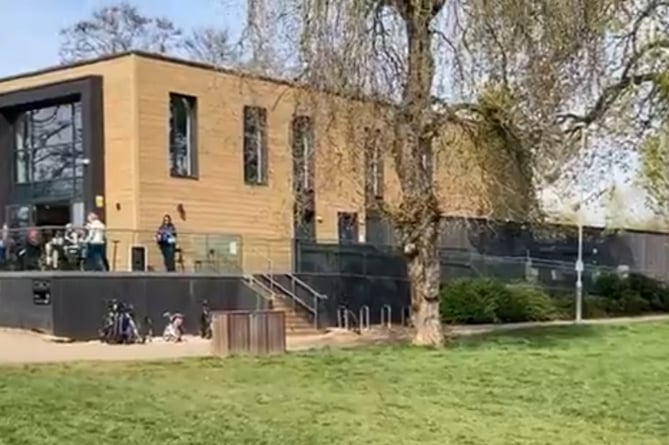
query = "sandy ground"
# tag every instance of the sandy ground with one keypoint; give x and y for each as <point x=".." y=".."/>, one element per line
<point x="28" y="347"/>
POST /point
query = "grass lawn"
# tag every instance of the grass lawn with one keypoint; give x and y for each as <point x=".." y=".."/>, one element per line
<point x="588" y="385"/>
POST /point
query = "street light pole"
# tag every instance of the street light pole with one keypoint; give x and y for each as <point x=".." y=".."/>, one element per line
<point x="579" y="275"/>
<point x="579" y="260"/>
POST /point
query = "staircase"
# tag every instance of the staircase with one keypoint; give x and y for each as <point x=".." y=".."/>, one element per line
<point x="287" y="293"/>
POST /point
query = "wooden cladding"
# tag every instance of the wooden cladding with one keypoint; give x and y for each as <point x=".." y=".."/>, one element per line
<point x="248" y="333"/>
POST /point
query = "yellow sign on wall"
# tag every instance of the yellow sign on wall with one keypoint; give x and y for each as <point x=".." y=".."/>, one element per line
<point x="99" y="201"/>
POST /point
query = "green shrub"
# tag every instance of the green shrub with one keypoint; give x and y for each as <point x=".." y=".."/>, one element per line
<point x="471" y="300"/>
<point x="564" y="306"/>
<point x="633" y="295"/>
<point x="627" y="302"/>
<point x="475" y="301"/>
<point x="609" y="286"/>
<point x="654" y="292"/>
<point x="525" y="302"/>
<point x="593" y="307"/>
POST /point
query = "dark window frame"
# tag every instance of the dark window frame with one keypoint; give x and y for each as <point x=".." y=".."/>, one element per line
<point x="89" y="91"/>
<point x="353" y="226"/>
<point x="191" y="137"/>
<point x="254" y="145"/>
<point x="303" y="126"/>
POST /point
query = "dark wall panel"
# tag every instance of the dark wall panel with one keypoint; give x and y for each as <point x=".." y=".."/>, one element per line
<point x="17" y="309"/>
<point x="79" y="301"/>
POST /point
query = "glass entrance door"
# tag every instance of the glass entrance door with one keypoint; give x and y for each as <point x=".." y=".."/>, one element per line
<point x="52" y="215"/>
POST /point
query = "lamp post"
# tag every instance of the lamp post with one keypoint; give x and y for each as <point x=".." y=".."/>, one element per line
<point x="579" y="260"/>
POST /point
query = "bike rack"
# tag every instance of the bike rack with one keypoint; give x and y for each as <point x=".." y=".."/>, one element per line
<point x="363" y="318"/>
<point x="406" y="316"/>
<point x="386" y="316"/>
<point x="342" y="317"/>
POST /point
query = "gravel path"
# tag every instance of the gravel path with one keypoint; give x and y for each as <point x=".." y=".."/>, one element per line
<point x="17" y="347"/>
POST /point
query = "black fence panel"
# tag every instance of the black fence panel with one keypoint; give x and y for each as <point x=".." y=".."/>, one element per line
<point x="354" y="292"/>
<point x="463" y="242"/>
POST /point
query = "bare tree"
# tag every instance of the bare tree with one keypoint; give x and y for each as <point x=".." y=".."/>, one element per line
<point x="514" y="77"/>
<point x="210" y="45"/>
<point x="115" y="29"/>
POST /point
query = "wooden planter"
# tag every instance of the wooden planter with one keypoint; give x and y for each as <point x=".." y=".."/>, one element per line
<point x="248" y="333"/>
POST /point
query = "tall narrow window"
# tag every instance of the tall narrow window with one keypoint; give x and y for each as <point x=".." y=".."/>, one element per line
<point x="347" y="224"/>
<point x="303" y="153"/>
<point x="373" y="164"/>
<point x="182" y="135"/>
<point x="255" y="145"/>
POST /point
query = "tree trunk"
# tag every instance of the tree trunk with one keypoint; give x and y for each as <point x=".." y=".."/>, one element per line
<point x="424" y="278"/>
<point x="419" y="209"/>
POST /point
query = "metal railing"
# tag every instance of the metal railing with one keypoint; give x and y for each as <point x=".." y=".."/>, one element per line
<point x="386" y="316"/>
<point x="258" y="287"/>
<point x="275" y="281"/>
<point x="65" y="248"/>
<point x="361" y="322"/>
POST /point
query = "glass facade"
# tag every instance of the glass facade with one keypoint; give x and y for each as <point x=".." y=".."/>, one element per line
<point x="48" y="155"/>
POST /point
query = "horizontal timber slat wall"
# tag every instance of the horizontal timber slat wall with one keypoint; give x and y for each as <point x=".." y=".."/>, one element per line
<point x="248" y="333"/>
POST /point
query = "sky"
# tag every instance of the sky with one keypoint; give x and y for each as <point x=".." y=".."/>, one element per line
<point x="29" y="40"/>
<point x="29" y="37"/>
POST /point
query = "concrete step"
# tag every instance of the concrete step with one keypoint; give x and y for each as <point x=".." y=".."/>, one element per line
<point x="296" y="324"/>
<point x="302" y="331"/>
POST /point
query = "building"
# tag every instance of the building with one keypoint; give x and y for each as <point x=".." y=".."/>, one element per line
<point x="243" y="164"/>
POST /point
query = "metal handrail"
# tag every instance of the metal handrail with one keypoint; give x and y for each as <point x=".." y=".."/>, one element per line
<point x="296" y="280"/>
<point x="255" y="282"/>
<point x="292" y="295"/>
<point x="313" y="291"/>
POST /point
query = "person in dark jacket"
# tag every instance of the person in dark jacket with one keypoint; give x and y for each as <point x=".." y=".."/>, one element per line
<point x="4" y="247"/>
<point x="31" y="251"/>
<point x="166" y="237"/>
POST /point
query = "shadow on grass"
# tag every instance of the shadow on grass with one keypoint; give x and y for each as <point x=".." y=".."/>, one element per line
<point x="534" y="337"/>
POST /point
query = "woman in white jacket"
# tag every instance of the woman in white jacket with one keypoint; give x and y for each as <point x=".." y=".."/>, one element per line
<point x="95" y="240"/>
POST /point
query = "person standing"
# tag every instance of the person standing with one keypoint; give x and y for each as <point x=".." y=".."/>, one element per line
<point x="30" y="253"/>
<point x="4" y="246"/>
<point x="166" y="237"/>
<point x="95" y="243"/>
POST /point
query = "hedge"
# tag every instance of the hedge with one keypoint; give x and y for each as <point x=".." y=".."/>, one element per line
<point x="485" y="300"/>
<point x="632" y="295"/>
<point x="475" y="301"/>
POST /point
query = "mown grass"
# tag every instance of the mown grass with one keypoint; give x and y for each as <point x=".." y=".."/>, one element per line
<point x="597" y="385"/>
